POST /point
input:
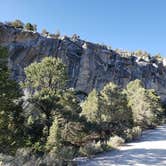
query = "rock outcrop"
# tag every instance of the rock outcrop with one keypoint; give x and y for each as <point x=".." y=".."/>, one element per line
<point x="89" y="65"/>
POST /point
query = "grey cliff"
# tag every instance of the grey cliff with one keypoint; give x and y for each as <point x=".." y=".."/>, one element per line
<point x="89" y="65"/>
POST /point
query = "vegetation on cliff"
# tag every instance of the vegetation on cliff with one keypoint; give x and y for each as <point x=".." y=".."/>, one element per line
<point x="54" y="121"/>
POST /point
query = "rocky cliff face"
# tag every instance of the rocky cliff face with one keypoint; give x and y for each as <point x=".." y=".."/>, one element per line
<point x="89" y="65"/>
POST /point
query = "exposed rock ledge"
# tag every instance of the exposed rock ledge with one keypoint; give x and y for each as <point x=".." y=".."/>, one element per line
<point x="89" y="65"/>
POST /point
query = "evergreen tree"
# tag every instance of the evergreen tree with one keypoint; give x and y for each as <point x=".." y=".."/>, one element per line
<point x="116" y="111"/>
<point x="145" y="104"/>
<point x="74" y="128"/>
<point x="54" y="139"/>
<point x="17" y="24"/>
<point x="108" y="108"/>
<point x="45" y="77"/>
<point x="30" y="27"/>
<point x="46" y="81"/>
<point x="9" y="109"/>
<point x="91" y="107"/>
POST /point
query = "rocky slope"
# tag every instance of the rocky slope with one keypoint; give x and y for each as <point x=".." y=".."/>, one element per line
<point x="89" y="65"/>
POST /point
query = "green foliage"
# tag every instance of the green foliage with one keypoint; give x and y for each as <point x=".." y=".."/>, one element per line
<point x="145" y="104"/>
<point x="70" y="102"/>
<point x="17" y="24"/>
<point x="115" y="107"/>
<point x="90" y="149"/>
<point x="141" y="53"/>
<point x="46" y="77"/>
<point x="47" y="82"/>
<point x="115" y="142"/>
<point x="56" y="142"/>
<point x="54" y="138"/>
<point x="35" y="126"/>
<point x="9" y="109"/>
<point x="91" y="108"/>
<point x="53" y="121"/>
<point x="67" y="153"/>
<point x="73" y="128"/>
<point x="30" y="27"/>
<point x="133" y="134"/>
<point x="107" y="108"/>
<point x="136" y="132"/>
<point x="3" y="54"/>
<point x="158" y="57"/>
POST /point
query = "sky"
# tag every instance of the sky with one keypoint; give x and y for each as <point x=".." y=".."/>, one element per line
<point x="124" y="24"/>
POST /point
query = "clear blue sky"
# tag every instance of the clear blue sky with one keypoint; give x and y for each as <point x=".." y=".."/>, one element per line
<point x="125" y="24"/>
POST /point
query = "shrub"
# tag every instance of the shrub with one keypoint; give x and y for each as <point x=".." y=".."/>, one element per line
<point x="91" y="149"/>
<point x="98" y="147"/>
<point x="145" y="105"/>
<point x="128" y="135"/>
<point x="134" y="133"/>
<point x="67" y="153"/>
<point x="107" y="108"/>
<point x="54" y="138"/>
<point x="30" y="27"/>
<point x="17" y="24"/>
<point x="45" y="32"/>
<point x="10" y="108"/>
<point x="115" y="141"/>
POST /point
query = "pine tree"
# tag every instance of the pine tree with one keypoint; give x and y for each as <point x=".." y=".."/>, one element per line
<point x="108" y="108"/>
<point x="115" y="107"/>
<point x="91" y="108"/>
<point x="46" y="77"/>
<point x="17" y="24"/>
<point x="145" y="104"/>
<point x="9" y="109"/>
<point x="30" y="27"/>
<point x="54" y="139"/>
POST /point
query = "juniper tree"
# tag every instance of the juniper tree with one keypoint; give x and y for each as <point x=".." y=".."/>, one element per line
<point x="116" y="111"/>
<point x="30" y="27"/>
<point x="91" y="107"/>
<point x="54" y="139"/>
<point x="17" y="24"/>
<point x="145" y="104"/>
<point x="9" y="109"/>
<point x="46" y="81"/>
<point x="108" y="108"/>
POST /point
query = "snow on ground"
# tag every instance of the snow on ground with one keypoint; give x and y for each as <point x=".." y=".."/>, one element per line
<point x="150" y="150"/>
